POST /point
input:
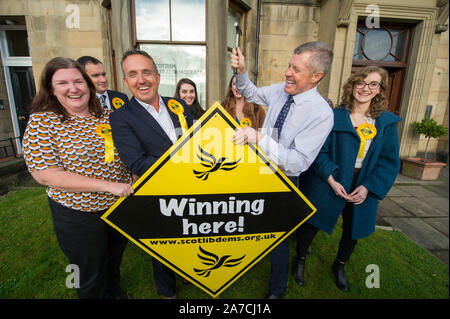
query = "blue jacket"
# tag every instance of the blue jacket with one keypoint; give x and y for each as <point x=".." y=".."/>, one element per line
<point x="338" y="156"/>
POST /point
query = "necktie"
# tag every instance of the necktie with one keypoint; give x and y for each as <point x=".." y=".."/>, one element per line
<point x="103" y="101"/>
<point x="282" y="116"/>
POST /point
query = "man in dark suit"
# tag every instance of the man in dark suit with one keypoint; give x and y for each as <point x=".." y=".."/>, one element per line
<point x="143" y="130"/>
<point x="109" y="99"/>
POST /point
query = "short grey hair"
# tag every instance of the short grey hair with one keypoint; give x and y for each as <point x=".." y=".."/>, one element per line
<point x="322" y="56"/>
<point x="129" y="52"/>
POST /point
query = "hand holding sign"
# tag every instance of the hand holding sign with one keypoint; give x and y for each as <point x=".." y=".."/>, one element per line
<point x="247" y="135"/>
<point x="228" y="208"/>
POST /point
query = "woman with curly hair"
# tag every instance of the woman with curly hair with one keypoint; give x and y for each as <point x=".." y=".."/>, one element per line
<point x="187" y="91"/>
<point x="355" y="169"/>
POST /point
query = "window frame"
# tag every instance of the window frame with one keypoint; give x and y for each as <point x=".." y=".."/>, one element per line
<point x="243" y="10"/>
<point x="136" y="43"/>
<point x="392" y="64"/>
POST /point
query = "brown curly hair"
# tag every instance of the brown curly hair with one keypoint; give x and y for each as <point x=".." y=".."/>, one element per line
<point x="379" y="103"/>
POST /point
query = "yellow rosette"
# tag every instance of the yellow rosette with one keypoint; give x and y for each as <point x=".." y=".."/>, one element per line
<point x="366" y="132"/>
<point x="246" y="122"/>
<point x="104" y="130"/>
<point x="178" y="109"/>
<point x="117" y="102"/>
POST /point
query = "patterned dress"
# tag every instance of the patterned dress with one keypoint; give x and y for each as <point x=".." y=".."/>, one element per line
<point x="75" y="146"/>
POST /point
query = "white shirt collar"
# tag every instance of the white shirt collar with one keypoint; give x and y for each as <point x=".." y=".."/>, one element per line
<point x="151" y="107"/>
<point x="300" y="97"/>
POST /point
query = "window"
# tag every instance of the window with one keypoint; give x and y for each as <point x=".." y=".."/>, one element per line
<point x="17" y="43"/>
<point x="236" y="13"/>
<point x="173" y="33"/>
<point x="387" y="47"/>
<point x="387" y="44"/>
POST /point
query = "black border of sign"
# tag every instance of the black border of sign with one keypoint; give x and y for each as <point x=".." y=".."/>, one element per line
<point x="169" y="264"/>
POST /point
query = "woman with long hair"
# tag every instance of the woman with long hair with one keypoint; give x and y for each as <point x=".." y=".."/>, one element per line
<point x="354" y="170"/>
<point x="187" y="91"/>
<point x="239" y="108"/>
<point x="68" y="147"/>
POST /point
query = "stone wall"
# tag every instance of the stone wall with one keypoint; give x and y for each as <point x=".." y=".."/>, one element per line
<point x="49" y="35"/>
<point x="283" y="28"/>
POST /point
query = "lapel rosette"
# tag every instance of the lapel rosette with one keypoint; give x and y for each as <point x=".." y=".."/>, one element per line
<point x="104" y="131"/>
<point x="178" y="109"/>
<point x="366" y="132"/>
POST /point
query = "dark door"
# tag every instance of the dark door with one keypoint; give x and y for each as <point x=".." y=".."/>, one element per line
<point x="23" y="90"/>
<point x="386" y="47"/>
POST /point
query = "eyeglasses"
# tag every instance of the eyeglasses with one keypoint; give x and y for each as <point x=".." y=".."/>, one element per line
<point x="372" y="85"/>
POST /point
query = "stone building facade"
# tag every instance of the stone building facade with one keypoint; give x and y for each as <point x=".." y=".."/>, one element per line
<point x="409" y="38"/>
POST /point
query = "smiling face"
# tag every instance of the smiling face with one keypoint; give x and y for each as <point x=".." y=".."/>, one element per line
<point x="71" y="90"/>
<point x="299" y="77"/>
<point x="141" y="78"/>
<point x="98" y="75"/>
<point x="187" y="93"/>
<point x="365" y="95"/>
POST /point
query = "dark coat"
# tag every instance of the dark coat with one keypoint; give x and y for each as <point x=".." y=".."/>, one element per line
<point x="122" y="99"/>
<point x="337" y="157"/>
<point x="139" y="138"/>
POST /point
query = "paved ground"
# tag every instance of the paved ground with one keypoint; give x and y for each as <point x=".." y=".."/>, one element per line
<point x="420" y="209"/>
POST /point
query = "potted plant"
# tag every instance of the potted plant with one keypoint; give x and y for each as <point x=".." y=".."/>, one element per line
<point x="423" y="168"/>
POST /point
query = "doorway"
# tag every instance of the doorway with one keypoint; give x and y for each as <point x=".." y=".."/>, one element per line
<point x="22" y="82"/>
<point x="18" y="75"/>
<point x="387" y="47"/>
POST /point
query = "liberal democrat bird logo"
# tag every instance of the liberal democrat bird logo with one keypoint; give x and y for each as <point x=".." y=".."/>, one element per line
<point x="210" y="162"/>
<point x="212" y="260"/>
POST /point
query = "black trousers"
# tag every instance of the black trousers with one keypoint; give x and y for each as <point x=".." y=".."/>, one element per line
<point x="307" y="232"/>
<point x="94" y="246"/>
<point x="165" y="280"/>
<point x="279" y="260"/>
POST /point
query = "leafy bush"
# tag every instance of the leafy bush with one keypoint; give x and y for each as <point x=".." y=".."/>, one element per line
<point x="430" y="129"/>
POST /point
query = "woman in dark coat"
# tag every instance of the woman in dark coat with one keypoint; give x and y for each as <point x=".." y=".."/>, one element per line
<point x="355" y="169"/>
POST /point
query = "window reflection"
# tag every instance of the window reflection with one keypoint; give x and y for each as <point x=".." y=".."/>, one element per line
<point x="384" y="44"/>
<point x="175" y="62"/>
<point x="188" y="20"/>
<point x="233" y="16"/>
<point x="152" y="20"/>
<point x="377" y="44"/>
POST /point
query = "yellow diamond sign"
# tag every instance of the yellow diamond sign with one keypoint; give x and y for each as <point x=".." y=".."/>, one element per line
<point x="209" y="209"/>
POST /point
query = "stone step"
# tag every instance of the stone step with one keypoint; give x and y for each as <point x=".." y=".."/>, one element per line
<point x="12" y="166"/>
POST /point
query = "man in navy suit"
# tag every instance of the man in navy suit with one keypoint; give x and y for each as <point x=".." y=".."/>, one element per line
<point x="109" y="99"/>
<point x="143" y="130"/>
